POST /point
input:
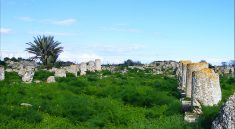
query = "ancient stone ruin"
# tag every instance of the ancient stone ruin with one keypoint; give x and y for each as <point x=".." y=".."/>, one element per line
<point x="91" y="66"/>
<point x="51" y="79"/>
<point x="200" y="84"/>
<point x="97" y="64"/>
<point x="191" y="67"/>
<point x="60" y="73"/>
<point x="206" y="88"/>
<point x="27" y="74"/>
<point x="83" y="68"/>
<point x="226" y="118"/>
<point x="2" y="73"/>
<point x="182" y="73"/>
<point x="73" y="69"/>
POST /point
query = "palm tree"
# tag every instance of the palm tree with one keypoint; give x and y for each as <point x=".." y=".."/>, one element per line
<point x="45" y="49"/>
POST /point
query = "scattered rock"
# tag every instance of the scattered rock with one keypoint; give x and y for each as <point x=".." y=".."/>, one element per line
<point x="2" y="73"/>
<point x="226" y="118"/>
<point x="51" y="79"/>
<point x="73" y="69"/>
<point x="60" y="73"/>
<point x="37" y="81"/>
<point x="190" y="117"/>
<point x="26" y="104"/>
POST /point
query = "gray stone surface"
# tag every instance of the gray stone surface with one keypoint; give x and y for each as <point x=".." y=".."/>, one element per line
<point x="226" y="118"/>
<point x="83" y="68"/>
<point x="51" y="79"/>
<point x="205" y="88"/>
<point x="97" y="64"/>
<point x="60" y="73"/>
<point x="27" y="74"/>
<point x="73" y="69"/>
<point x="183" y="73"/>
<point x="190" y="69"/>
<point x="91" y="66"/>
<point x="2" y="73"/>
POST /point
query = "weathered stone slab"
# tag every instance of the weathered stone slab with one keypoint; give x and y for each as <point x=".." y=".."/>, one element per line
<point x="183" y="74"/>
<point x="205" y="88"/>
<point x="91" y="66"/>
<point x="51" y="79"/>
<point x="97" y="64"/>
<point x="60" y="73"/>
<point x="190" y="69"/>
<point x="2" y="73"/>
<point x="226" y="118"/>
<point x="73" y="69"/>
<point x="83" y="68"/>
<point x="190" y="117"/>
<point x="27" y="75"/>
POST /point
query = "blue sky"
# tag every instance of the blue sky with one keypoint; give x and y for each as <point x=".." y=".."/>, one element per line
<point x="116" y="30"/>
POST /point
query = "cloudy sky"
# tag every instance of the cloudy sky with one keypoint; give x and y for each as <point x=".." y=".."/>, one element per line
<point x="116" y="30"/>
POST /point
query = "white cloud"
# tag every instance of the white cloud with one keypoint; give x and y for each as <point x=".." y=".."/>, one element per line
<point x="5" y="30"/>
<point x="53" y="33"/>
<point x="78" y="57"/>
<point x="65" y="22"/>
<point x="26" y="18"/>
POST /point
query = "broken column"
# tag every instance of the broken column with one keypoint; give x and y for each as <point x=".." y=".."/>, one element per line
<point x="183" y="71"/>
<point x="97" y="64"/>
<point x="205" y="88"/>
<point x="91" y="66"/>
<point x="2" y="73"/>
<point x="73" y="69"/>
<point x="27" y="74"/>
<point x="191" y="68"/>
<point x="60" y="73"/>
<point x="83" y="68"/>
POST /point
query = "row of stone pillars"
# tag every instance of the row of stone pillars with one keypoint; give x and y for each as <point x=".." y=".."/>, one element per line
<point x="199" y="85"/>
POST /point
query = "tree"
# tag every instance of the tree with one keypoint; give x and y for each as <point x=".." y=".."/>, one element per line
<point x="45" y="49"/>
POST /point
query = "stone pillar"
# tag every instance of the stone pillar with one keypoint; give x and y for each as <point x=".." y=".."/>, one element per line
<point x="28" y="74"/>
<point x="205" y="88"/>
<point x="73" y="69"/>
<point x="2" y="73"/>
<point x="83" y="68"/>
<point x="91" y="66"/>
<point x="60" y="73"/>
<point x="183" y="71"/>
<point x="190" y="69"/>
<point x="97" y="64"/>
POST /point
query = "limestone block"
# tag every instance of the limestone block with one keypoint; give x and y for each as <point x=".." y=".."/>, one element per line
<point x="51" y="79"/>
<point x="183" y="71"/>
<point x="226" y="118"/>
<point x="60" y="73"/>
<point x="91" y="66"/>
<point x="83" y="68"/>
<point x="2" y="73"/>
<point x="97" y="64"/>
<point x="205" y="88"/>
<point x="190" y="69"/>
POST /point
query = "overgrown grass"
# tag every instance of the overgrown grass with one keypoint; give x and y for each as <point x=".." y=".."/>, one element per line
<point x="134" y="100"/>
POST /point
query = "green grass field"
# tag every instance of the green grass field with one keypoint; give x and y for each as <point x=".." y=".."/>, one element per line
<point x="135" y="100"/>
